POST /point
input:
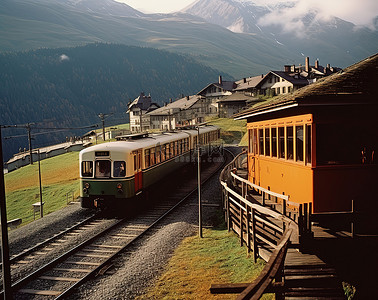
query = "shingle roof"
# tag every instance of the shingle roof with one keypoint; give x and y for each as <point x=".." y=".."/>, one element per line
<point x="359" y="79"/>
<point x="181" y="104"/>
<point x="249" y="83"/>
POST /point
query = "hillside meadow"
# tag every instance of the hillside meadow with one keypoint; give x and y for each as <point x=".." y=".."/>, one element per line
<point x="60" y="176"/>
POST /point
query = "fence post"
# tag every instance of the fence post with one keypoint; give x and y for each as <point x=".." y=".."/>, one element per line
<point x="248" y="229"/>
<point x="300" y="223"/>
<point x="254" y="240"/>
<point x="284" y="207"/>
<point x="241" y="226"/>
<point x="309" y="225"/>
<point x="228" y="212"/>
<point x="263" y="198"/>
<point x="305" y="216"/>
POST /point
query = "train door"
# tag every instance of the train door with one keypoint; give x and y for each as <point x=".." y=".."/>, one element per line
<point x="138" y="179"/>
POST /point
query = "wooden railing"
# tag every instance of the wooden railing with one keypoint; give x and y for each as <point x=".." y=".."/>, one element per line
<point x="299" y="213"/>
<point x="264" y="221"/>
<point x="273" y="271"/>
<point x="255" y="224"/>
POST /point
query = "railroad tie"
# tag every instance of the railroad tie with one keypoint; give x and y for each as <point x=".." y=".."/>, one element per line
<point x="40" y="292"/>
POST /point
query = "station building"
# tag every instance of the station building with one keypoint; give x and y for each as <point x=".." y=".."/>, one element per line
<point x="320" y="143"/>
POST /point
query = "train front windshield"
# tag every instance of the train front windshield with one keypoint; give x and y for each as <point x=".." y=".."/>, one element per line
<point x="102" y="169"/>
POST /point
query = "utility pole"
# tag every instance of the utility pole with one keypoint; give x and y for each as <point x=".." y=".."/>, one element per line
<point x="30" y="143"/>
<point x="4" y="231"/>
<point x="199" y="184"/>
<point x="102" y="117"/>
<point x="40" y="183"/>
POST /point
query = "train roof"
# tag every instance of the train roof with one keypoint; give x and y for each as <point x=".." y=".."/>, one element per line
<point x="145" y="142"/>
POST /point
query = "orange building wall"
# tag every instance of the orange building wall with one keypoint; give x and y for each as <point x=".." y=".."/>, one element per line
<point x="284" y="177"/>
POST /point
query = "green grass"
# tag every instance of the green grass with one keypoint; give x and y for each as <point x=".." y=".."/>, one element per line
<point x="60" y="175"/>
<point x="232" y="131"/>
<point x="197" y="263"/>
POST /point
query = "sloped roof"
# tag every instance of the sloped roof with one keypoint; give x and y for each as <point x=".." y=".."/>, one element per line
<point x="142" y="101"/>
<point x="181" y="104"/>
<point x="225" y="85"/>
<point x="237" y="97"/>
<point x="249" y="83"/>
<point x="293" y="78"/>
<point x="359" y="79"/>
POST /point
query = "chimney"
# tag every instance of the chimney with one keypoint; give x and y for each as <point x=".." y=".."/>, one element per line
<point x="187" y="97"/>
<point x="328" y="66"/>
<point x="262" y="75"/>
<point x="317" y="64"/>
<point x="287" y="68"/>
<point x="293" y="68"/>
<point x="244" y="80"/>
<point x="170" y="100"/>
<point x="220" y="80"/>
<point x="307" y="66"/>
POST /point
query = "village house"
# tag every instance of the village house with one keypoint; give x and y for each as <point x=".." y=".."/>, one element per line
<point x="138" y="110"/>
<point x="188" y="110"/>
<point x="215" y="91"/>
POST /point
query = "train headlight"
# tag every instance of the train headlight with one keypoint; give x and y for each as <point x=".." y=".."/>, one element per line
<point x="87" y="185"/>
<point x="85" y="190"/>
<point x="120" y="191"/>
<point x="119" y="186"/>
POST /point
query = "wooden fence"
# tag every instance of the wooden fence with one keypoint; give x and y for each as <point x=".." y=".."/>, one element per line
<point x="264" y="221"/>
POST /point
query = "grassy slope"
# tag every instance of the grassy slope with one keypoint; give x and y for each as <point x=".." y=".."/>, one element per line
<point x="197" y="263"/>
<point x="59" y="176"/>
<point x="232" y="131"/>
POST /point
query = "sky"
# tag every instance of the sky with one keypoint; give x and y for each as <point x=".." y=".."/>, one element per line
<point x="359" y="12"/>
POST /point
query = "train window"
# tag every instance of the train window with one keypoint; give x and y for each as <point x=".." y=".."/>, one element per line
<point x="267" y="141"/>
<point x="162" y="152"/>
<point x="157" y="154"/>
<point x="152" y="156"/>
<point x="281" y="142"/>
<point x="308" y="144"/>
<point x="119" y="169"/>
<point x="299" y="142"/>
<point x="290" y="142"/>
<point x="261" y="141"/>
<point x="87" y="168"/>
<point x="103" y="168"/>
<point x="147" y="157"/>
<point x="274" y="142"/>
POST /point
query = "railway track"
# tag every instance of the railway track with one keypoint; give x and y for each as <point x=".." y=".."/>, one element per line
<point x="59" y="277"/>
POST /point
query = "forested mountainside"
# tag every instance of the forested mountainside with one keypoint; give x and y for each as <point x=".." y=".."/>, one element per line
<point x="69" y="87"/>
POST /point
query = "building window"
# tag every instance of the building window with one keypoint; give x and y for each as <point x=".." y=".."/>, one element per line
<point x="299" y="142"/>
<point x="274" y="142"/>
<point x="261" y="141"/>
<point x="290" y="142"/>
<point x="267" y="141"/>
<point x="281" y="142"/>
<point x="288" y="89"/>
<point x="308" y="144"/>
<point x="283" y="90"/>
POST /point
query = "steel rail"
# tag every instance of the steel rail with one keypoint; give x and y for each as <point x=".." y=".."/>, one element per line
<point x="49" y="240"/>
<point x="129" y="243"/>
<point x="16" y="286"/>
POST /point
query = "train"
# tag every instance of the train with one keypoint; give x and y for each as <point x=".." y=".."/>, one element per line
<point x="113" y="174"/>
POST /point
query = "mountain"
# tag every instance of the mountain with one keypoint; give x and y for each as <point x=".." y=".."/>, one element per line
<point x="331" y="39"/>
<point x="69" y="87"/>
<point x="33" y="24"/>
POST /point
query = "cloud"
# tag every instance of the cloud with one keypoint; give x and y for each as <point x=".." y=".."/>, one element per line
<point x="63" y="57"/>
<point x="289" y="13"/>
